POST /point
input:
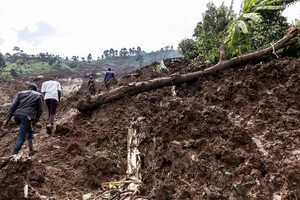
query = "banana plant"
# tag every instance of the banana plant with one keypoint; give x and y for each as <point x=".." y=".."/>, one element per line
<point x="253" y="11"/>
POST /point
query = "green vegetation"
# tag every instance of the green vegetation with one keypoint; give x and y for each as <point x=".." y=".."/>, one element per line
<point x="19" y="63"/>
<point x="208" y="34"/>
<point x="259" y="24"/>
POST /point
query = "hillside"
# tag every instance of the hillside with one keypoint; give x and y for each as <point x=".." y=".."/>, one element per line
<point x="230" y="135"/>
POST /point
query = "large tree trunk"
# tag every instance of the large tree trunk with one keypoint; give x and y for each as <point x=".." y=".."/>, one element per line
<point x="96" y="101"/>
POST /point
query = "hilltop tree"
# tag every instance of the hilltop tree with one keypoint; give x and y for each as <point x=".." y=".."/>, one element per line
<point x="2" y="62"/>
<point x="209" y="33"/>
<point x="106" y="54"/>
<point x="188" y="48"/>
<point x="75" y="58"/>
<point x="123" y="52"/>
<point x="111" y="52"/>
<point x="138" y="50"/>
<point x="89" y="58"/>
<point x="17" y="50"/>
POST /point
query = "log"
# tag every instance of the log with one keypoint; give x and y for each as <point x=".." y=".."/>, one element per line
<point x="94" y="102"/>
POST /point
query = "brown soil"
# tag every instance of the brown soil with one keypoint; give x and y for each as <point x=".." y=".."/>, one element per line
<point x="230" y="135"/>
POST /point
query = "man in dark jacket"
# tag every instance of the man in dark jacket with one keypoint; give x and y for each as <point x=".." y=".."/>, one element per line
<point x="27" y="108"/>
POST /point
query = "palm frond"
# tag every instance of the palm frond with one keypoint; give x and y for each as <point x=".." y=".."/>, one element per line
<point x="242" y="26"/>
<point x="272" y="8"/>
<point x="249" y="5"/>
<point x="256" y="17"/>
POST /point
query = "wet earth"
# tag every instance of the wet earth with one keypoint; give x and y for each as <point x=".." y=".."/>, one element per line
<point x="232" y="135"/>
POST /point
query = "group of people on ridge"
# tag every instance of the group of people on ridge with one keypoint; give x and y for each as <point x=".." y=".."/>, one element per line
<point x="109" y="75"/>
<point x="27" y="108"/>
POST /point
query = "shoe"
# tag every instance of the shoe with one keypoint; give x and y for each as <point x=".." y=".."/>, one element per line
<point x="31" y="150"/>
<point x="49" y="129"/>
<point x="31" y="153"/>
<point x="14" y="152"/>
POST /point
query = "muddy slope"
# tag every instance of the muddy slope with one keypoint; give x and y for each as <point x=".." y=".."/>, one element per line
<point x="230" y="135"/>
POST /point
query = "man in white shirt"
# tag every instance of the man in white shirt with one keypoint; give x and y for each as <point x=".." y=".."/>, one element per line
<point x="52" y="94"/>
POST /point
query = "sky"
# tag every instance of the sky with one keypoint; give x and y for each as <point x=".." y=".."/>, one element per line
<point x="79" y="27"/>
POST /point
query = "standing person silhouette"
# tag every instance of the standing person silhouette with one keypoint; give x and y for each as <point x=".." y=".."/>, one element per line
<point x="109" y="75"/>
<point x="91" y="85"/>
<point x="51" y="90"/>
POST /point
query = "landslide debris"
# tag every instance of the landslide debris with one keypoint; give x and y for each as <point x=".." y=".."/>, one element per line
<point x="233" y="134"/>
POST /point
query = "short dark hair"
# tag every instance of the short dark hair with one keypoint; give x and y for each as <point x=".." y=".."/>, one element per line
<point x="51" y="78"/>
<point x="109" y="69"/>
<point x="32" y="86"/>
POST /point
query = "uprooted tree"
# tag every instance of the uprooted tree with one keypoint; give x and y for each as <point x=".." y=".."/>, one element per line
<point x="290" y="40"/>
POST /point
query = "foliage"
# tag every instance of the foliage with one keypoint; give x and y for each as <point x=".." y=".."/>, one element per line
<point x="188" y="48"/>
<point x="69" y="94"/>
<point x="215" y="20"/>
<point x="297" y="23"/>
<point x="209" y="33"/>
<point x="20" y="63"/>
<point x="17" y="70"/>
<point x="260" y="23"/>
<point x="2" y="62"/>
<point x="140" y="60"/>
<point x="268" y="32"/>
<point x="161" y="66"/>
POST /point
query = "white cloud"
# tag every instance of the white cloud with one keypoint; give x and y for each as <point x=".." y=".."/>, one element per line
<point x="44" y="31"/>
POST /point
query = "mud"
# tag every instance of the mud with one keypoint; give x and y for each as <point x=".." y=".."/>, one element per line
<point x="232" y="135"/>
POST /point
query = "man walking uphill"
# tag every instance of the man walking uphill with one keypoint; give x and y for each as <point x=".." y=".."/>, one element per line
<point x="27" y="109"/>
<point x="109" y="75"/>
<point x="52" y="93"/>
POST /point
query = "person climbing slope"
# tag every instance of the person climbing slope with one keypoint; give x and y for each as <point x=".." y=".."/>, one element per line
<point x="27" y="108"/>
<point x="91" y="85"/>
<point x="51" y="90"/>
<point x="109" y="75"/>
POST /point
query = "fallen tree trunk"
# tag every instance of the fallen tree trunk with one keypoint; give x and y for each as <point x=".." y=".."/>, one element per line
<point x="96" y="101"/>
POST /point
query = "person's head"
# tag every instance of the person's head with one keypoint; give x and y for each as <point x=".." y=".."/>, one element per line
<point x="109" y="69"/>
<point x="32" y="86"/>
<point x="51" y="78"/>
<point x="91" y="77"/>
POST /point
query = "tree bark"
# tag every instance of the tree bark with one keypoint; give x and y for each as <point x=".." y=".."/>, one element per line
<point x="94" y="102"/>
<point x="223" y="51"/>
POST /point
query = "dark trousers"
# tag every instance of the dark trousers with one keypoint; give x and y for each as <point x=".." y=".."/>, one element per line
<point x="52" y="105"/>
<point x="25" y="132"/>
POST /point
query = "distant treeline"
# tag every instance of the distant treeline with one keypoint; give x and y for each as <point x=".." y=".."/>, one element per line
<point x="19" y="63"/>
